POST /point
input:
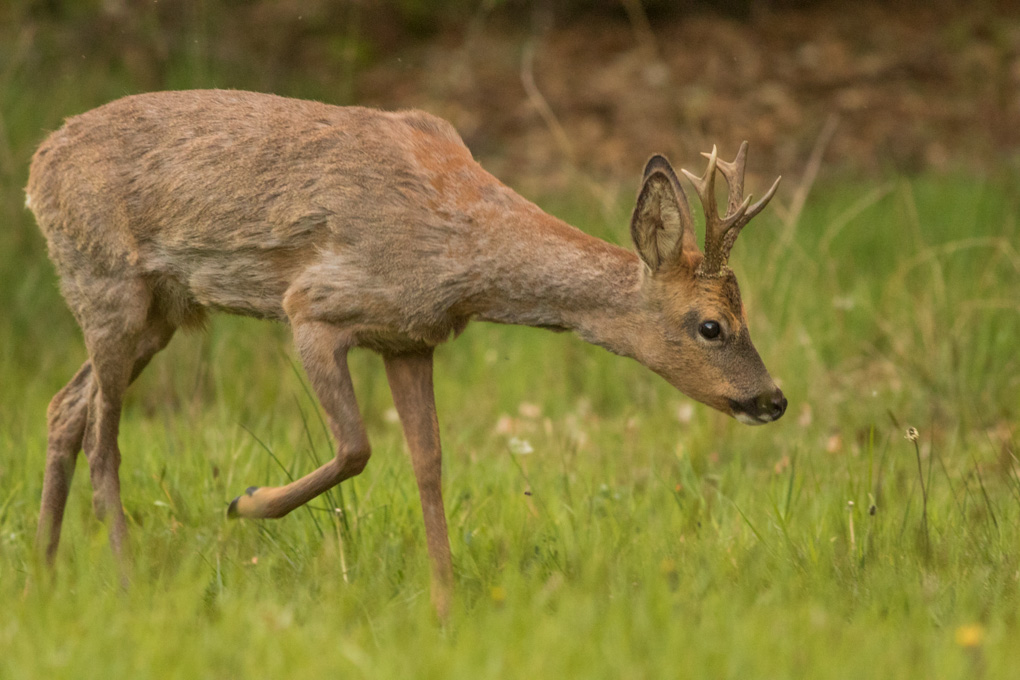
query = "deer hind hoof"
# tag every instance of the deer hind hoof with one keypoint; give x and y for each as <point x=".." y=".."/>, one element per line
<point x="236" y="508"/>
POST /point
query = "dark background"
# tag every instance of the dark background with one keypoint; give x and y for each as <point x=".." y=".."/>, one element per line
<point x="544" y="92"/>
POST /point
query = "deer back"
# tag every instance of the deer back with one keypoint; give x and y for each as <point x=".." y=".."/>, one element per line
<point x="224" y="199"/>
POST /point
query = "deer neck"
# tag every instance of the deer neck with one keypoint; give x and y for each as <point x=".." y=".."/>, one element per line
<point x="547" y="274"/>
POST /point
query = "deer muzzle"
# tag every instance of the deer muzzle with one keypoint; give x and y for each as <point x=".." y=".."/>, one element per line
<point x="765" y="408"/>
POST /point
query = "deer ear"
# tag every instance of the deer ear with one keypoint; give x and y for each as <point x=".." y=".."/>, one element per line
<point x="661" y="224"/>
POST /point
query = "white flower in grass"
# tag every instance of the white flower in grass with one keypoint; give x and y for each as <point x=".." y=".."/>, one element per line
<point x="521" y="447"/>
<point x="685" y="412"/>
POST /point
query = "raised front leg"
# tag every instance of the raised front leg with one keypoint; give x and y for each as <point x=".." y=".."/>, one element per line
<point x="323" y="349"/>
<point x="410" y="378"/>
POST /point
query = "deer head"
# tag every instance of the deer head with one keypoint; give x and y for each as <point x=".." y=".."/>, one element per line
<point x="703" y="347"/>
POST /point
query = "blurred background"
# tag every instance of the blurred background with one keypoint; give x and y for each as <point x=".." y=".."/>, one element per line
<point x="542" y="90"/>
<point x="896" y="127"/>
<point x="888" y="257"/>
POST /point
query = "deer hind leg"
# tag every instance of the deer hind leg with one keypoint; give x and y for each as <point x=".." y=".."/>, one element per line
<point x="66" y="418"/>
<point x="67" y="415"/>
<point x="122" y="332"/>
<point x="410" y="378"/>
<point x="323" y="348"/>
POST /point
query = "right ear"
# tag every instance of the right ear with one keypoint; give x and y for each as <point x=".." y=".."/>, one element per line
<point x="661" y="224"/>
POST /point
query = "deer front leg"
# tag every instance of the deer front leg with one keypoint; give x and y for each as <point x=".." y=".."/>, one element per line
<point x="410" y="378"/>
<point x="323" y="349"/>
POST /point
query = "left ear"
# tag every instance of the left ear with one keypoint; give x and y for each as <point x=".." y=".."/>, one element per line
<point x="661" y="224"/>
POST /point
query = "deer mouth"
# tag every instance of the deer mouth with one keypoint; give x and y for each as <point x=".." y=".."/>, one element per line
<point x="765" y="408"/>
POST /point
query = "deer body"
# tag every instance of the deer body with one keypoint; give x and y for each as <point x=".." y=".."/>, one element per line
<point x="358" y="228"/>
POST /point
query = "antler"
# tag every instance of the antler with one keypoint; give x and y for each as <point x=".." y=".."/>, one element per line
<point x="721" y="232"/>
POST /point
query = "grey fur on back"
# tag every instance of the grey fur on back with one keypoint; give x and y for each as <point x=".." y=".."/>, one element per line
<point x="222" y="198"/>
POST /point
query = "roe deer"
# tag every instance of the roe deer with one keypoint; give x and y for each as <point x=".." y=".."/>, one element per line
<point x="359" y="228"/>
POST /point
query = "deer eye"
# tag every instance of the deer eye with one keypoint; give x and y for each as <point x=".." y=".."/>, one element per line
<point x="710" y="330"/>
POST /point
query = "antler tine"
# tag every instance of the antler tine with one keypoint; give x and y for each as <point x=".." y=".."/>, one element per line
<point x="747" y="214"/>
<point x="733" y="172"/>
<point x="757" y="207"/>
<point x="705" y="185"/>
<point x="721" y="233"/>
<point x="715" y="228"/>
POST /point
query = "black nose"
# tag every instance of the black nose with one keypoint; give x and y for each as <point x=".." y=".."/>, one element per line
<point x="771" y="405"/>
<point x="764" y="408"/>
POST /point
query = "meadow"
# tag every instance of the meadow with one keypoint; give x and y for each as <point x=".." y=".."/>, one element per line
<point x="602" y="524"/>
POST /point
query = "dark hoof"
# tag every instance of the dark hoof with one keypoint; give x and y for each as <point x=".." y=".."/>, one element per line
<point x="232" y="512"/>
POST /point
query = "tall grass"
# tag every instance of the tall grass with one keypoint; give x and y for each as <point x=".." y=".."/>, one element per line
<point x="602" y="526"/>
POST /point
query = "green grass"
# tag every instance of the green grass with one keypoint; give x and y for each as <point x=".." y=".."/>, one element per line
<point x="657" y="540"/>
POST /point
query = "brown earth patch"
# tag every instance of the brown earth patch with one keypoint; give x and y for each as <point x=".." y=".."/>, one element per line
<point x="898" y="89"/>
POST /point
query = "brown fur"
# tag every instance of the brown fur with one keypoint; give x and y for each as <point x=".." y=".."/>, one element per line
<point x="358" y="228"/>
